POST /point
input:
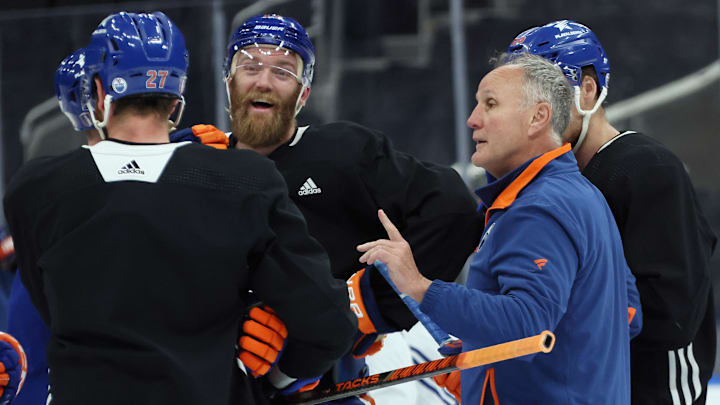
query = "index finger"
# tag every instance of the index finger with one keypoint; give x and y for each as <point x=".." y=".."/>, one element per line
<point x="390" y="228"/>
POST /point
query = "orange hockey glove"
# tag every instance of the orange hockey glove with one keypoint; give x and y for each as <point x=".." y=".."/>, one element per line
<point x="211" y="136"/>
<point x="201" y="133"/>
<point x="13" y="367"/>
<point x="451" y="382"/>
<point x="263" y="340"/>
<point x="371" y="325"/>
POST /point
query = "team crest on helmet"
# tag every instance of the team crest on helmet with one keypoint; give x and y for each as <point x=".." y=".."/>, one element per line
<point x="562" y="25"/>
<point x="119" y="85"/>
<point x="518" y="41"/>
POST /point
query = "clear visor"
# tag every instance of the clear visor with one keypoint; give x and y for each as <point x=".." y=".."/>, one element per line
<point x="283" y="64"/>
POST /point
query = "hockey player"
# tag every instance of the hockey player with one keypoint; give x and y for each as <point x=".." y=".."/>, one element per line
<point x="550" y="258"/>
<point x="109" y="252"/>
<point x="339" y="174"/>
<point x="24" y="322"/>
<point x="667" y="240"/>
<point x="72" y="88"/>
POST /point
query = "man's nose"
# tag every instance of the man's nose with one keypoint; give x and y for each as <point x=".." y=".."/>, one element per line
<point x="474" y="120"/>
<point x="264" y="79"/>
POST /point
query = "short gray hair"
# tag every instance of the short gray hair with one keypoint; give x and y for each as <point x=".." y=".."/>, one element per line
<point x="544" y="82"/>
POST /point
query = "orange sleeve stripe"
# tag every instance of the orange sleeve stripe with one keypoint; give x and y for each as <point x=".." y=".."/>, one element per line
<point x="490" y="377"/>
<point x="508" y="196"/>
<point x="631" y="314"/>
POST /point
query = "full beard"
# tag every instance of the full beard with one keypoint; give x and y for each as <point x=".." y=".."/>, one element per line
<point x="262" y="130"/>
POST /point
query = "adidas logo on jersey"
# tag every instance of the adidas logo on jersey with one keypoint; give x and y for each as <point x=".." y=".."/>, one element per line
<point x="309" y="187"/>
<point x="131" y="168"/>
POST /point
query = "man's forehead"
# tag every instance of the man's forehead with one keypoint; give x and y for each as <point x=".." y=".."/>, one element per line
<point x="502" y="77"/>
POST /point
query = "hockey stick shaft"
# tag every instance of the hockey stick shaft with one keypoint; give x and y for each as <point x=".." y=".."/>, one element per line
<point x="439" y="335"/>
<point x="542" y="342"/>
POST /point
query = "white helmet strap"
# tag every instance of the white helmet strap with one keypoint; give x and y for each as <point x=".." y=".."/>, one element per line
<point x="181" y="108"/>
<point x="298" y="104"/>
<point x="100" y="125"/>
<point x="586" y="114"/>
<point x="227" y="91"/>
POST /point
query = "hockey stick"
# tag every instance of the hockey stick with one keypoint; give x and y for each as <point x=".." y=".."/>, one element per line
<point x="439" y="335"/>
<point x="542" y="342"/>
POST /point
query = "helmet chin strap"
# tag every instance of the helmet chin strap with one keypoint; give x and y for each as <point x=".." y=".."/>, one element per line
<point x="586" y="114"/>
<point x="100" y="125"/>
<point x="181" y="108"/>
<point x="298" y="104"/>
<point x="227" y="91"/>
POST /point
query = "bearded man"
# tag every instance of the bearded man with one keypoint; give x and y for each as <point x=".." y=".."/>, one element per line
<point x="339" y="174"/>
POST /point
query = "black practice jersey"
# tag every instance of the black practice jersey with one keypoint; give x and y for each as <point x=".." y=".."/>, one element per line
<point x="668" y="244"/>
<point x="340" y="174"/>
<point x="140" y="258"/>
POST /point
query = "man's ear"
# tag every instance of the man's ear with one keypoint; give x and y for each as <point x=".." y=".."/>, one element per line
<point x="100" y="94"/>
<point x="540" y="119"/>
<point x="588" y="93"/>
<point x="305" y="96"/>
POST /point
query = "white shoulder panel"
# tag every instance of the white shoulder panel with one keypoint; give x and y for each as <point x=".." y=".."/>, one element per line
<point x="122" y="162"/>
<point x="615" y="138"/>
<point x="299" y="134"/>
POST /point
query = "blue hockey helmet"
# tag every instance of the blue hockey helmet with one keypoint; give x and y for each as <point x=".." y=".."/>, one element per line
<point x="71" y="89"/>
<point x="569" y="44"/>
<point x="144" y="54"/>
<point x="141" y="54"/>
<point x="273" y="29"/>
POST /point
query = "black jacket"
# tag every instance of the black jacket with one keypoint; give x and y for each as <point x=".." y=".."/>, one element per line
<point x="143" y="282"/>
<point x="355" y="171"/>
<point x="668" y="244"/>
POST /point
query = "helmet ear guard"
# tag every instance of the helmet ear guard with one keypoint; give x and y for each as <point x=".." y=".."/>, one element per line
<point x="68" y="89"/>
<point x="571" y="46"/>
<point x="73" y="86"/>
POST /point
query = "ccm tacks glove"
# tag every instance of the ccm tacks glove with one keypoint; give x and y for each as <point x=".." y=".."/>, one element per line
<point x="371" y="325"/>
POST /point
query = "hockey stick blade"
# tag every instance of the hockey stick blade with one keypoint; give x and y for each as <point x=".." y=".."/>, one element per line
<point x="542" y="342"/>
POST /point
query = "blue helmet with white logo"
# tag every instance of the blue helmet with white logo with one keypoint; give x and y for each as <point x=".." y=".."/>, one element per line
<point x="143" y="54"/>
<point x="273" y="29"/>
<point x="72" y="89"/>
<point x="569" y="44"/>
